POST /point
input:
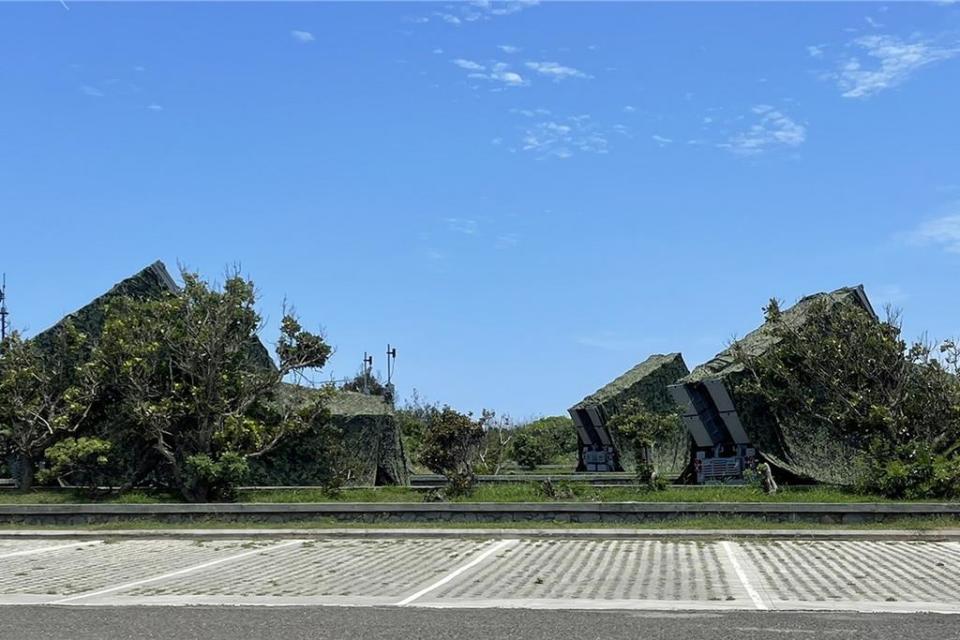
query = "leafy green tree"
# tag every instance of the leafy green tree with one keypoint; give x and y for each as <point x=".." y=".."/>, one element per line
<point x="451" y="447"/>
<point x="189" y="381"/>
<point x="529" y="450"/>
<point x="82" y="461"/>
<point x="544" y="441"/>
<point x="857" y="384"/>
<point x="412" y="419"/>
<point x="640" y="428"/>
<point x="43" y="393"/>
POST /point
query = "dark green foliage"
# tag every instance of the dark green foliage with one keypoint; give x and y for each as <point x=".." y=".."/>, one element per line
<point x="183" y="380"/>
<point x="44" y="393"/>
<point x="640" y="429"/>
<point x="219" y="478"/>
<point x="850" y="387"/>
<point x="412" y="420"/>
<point x="451" y="447"/>
<point x="529" y="450"/>
<point x="83" y="462"/>
<point x="548" y="440"/>
<point x="374" y="386"/>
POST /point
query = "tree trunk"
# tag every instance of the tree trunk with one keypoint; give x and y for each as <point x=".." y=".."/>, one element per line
<point x="26" y="473"/>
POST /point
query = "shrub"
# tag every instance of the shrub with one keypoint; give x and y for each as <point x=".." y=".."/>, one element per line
<point x="451" y="446"/>
<point x="83" y="462"/>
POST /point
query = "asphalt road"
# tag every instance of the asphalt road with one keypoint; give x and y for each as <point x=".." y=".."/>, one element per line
<point x="374" y="623"/>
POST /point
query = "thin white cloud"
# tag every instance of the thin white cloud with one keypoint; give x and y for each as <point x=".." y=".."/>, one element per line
<point x="771" y="129"/>
<point x="495" y="72"/>
<point x="93" y="92"/>
<point x="563" y="137"/>
<point x="629" y="109"/>
<point x="556" y="71"/>
<point x="437" y="51"/>
<point x="155" y="107"/>
<point x="890" y="62"/>
<point x="943" y="232"/>
<point x="480" y="11"/>
<point x="469" y="65"/>
<point x="465" y="226"/>
<point x="508" y="48"/>
<point x="816" y="50"/>
<point x="661" y="140"/>
<point x="302" y="36"/>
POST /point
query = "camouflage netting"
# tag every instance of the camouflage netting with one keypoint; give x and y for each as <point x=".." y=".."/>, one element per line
<point x="801" y="450"/>
<point x="151" y="283"/>
<point x="369" y="425"/>
<point x="372" y="438"/>
<point x="648" y="382"/>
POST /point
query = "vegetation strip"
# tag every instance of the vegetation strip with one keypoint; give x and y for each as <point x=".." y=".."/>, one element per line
<point x="932" y="535"/>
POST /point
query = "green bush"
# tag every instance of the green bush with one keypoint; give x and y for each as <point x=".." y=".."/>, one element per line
<point x="84" y="462"/>
<point x="451" y="447"/>
<point x="859" y="387"/>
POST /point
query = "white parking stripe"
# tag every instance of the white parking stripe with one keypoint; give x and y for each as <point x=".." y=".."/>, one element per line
<point x="731" y="552"/>
<point x="173" y="574"/>
<point x="31" y="552"/>
<point x="453" y="574"/>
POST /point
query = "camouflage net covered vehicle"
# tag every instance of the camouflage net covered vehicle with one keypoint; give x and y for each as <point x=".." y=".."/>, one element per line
<point x="598" y="448"/>
<point x="731" y="431"/>
<point x="371" y="436"/>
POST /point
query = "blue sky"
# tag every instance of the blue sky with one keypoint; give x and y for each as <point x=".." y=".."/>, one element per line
<point x="526" y="199"/>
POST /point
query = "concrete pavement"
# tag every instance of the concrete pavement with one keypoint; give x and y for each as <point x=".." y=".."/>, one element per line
<point x="472" y="573"/>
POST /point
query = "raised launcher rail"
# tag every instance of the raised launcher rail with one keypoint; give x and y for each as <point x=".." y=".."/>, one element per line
<point x="723" y="450"/>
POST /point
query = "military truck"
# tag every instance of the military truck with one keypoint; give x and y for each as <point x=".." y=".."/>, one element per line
<point x="730" y="435"/>
<point x="598" y="449"/>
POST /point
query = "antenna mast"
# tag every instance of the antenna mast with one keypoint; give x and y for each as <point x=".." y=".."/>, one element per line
<point x="3" y="309"/>
<point x="367" y="368"/>
<point x="391" y="362"/>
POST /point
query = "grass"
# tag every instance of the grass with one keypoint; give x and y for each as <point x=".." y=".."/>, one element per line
<point x="730" y="523"/>
<point x="499" y="493"/>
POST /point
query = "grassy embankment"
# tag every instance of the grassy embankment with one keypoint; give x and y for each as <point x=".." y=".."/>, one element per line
<point x="500" y="493"/>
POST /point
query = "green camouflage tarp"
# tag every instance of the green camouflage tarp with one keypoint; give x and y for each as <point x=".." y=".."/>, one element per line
<point x="804" y="451"/>
<point x="648" y="382"/>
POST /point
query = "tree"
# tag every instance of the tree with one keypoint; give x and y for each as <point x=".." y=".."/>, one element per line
<point x="191" y="383"/>
<point x="640" y="428"/>
<point x="43" y="393"/>
<point x="413" y="419"/>
<point x="498" y="434"/>
<point x="82" y="461"/>
<point x="451" y="446"/>
<point x="855" y="383"/>
<point x="544" y="441"/>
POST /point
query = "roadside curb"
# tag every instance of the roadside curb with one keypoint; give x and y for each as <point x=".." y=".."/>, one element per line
<point x="893" y="535"/>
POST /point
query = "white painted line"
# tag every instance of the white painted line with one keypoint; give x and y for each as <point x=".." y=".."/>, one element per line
<point x="453" y="574"/>
<point x="172" y="574"/>
<point x="31" y="552"/>
<point x="728" y="547"/>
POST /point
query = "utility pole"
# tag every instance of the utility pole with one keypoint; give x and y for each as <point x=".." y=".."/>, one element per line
<point x="3" y="309"/>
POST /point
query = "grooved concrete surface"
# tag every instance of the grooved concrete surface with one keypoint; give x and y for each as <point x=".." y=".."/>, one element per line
<point x="465" y="573"/>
